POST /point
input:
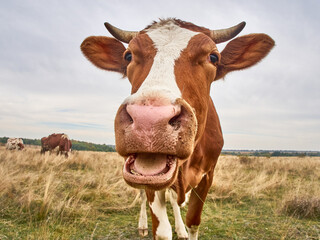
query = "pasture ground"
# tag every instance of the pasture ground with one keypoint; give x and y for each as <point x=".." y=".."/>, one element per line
<point x="84" y="197"/>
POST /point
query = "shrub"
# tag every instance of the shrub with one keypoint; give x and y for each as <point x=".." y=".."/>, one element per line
<point x="302" y="207"/>
<point x="245" y="159"/>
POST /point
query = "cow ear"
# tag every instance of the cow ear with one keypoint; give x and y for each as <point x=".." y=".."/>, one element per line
<point x="105" y="53"/>
<point x="243" y="52"/>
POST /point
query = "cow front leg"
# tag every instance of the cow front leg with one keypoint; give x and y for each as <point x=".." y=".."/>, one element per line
<point x="161" y="227"/>
<point x="143" y="219"/>
<point x="178" y="222"/>
<point x="197" y="198"/>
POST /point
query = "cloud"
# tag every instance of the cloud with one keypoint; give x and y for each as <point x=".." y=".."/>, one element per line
<point x="47" y="86"/>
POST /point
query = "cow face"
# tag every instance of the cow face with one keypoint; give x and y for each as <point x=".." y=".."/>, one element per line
<point x="170" y="65"/>
<point x="15" y="143"/>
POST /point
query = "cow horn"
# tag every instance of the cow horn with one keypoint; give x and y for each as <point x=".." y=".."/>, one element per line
<point x="121" y="35"/>
<point x="222" y="35"/>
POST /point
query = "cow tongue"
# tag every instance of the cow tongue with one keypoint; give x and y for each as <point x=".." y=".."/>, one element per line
<point x="149" y="164"/>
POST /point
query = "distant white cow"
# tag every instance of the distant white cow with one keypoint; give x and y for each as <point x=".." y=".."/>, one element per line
<point x="14" y="144"/>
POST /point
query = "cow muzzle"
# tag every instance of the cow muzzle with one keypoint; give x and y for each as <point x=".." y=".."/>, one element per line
<point x="155" y="140"/>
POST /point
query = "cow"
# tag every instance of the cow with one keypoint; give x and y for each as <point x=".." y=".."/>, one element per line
<point x="14" y="144"/>
<point x="168" y="130"/>
<point x="54" y="140"/>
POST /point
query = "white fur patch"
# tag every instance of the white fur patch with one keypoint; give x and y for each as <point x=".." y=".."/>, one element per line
<point x="158" y="207"/>
<point x="187" y="198"/>
<point x="179" y="225"/>
<point x="169" y="40"/>
<point x="143" y="219"/>
<point x="193" y="232"/>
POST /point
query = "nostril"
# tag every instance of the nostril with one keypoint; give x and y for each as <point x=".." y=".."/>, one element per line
<point x="130" y="119"/>
<point x="125" y="115"/>
<point x="175" y="121"/>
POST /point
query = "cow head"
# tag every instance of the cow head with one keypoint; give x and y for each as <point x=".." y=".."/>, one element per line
<point x="170" y="65"/>
<point x="20" y="146"/>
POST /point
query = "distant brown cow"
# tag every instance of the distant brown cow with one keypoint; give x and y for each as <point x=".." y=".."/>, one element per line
<point x="54" y="140"/>
<point x="14" y="144"/>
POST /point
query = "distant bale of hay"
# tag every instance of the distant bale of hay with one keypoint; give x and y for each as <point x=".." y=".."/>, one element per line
<point x="302" y="207"/>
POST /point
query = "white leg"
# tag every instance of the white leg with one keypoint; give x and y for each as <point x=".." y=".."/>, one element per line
<point x="143" y="219"/>
<point x="186" y="201"/>
<point x="158" y="206"/>
<point x="193" y="232"/>
<point x="179" y="225"/>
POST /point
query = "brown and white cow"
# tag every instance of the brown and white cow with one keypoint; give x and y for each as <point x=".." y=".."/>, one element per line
<point x="54" y="140"/>
<point x="14" y="144"/>
<point x="168" y="130"/>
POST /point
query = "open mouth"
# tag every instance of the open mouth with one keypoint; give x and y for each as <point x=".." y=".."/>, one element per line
<point x="152" y="170"/>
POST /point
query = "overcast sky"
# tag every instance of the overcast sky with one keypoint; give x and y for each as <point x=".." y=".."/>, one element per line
<point x="47" y="86"/>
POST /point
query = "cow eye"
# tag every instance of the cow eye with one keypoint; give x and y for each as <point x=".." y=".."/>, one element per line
<point x="128" y="56"/>
<point x="213" y="58"/>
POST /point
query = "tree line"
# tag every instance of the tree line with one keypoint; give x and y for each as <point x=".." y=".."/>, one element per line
<point x="272" y="153"/>
<point x="86" y="146"/>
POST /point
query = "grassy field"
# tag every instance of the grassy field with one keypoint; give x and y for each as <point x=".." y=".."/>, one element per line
<point x="84" y="197"/>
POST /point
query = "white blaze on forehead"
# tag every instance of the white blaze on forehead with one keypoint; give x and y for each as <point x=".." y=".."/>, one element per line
<point x="169" y="40"/>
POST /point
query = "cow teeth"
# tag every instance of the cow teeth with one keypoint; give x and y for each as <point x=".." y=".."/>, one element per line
<point x="170" y="160"/>
<point x="135" y="173"/>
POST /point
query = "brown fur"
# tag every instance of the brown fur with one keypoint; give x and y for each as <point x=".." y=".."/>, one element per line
<point x="105" y="53"/>
<point x="194" y="74"/>
<point x="54" y="140"/>
<point x="244" y="52"/>
<point x="183" y="24"/>
<point x="155" y="222"/>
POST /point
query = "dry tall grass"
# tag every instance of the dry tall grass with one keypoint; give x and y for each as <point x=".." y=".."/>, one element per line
<point x="251" y="177"/>
<point x="38" y="187"/>
<point x="44" y="185"/>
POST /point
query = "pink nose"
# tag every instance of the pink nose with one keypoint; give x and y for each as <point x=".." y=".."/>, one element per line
<point x="147" y="117"/>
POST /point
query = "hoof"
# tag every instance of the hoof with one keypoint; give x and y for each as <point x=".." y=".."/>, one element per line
<point x="182" y="235"/>
<point x="143" y="232"/>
